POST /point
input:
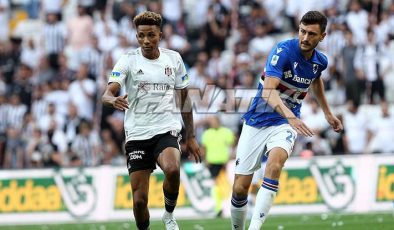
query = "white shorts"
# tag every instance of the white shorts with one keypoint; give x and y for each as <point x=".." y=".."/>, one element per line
<point x="254" y="142"/>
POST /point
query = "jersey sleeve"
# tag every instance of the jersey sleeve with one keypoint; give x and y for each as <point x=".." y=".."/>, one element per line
<point x="181" y="77"/>
<point x="120" y="71"/>
<point x="324" y="64"/>
<point x="276" y="62"/>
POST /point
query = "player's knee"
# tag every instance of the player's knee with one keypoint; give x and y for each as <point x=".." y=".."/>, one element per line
<point x="240" y="190"/>
<point x="140" y="202"/>
<point x="171" y="170"/>
<point x="273" y="169"/>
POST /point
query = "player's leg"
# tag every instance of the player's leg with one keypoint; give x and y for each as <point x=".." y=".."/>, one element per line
<point x="169" y="161"/>
<point x="249" y="152"/>
<point x="255" y="186"/>
<point x="140" y="163"/>
<point x="239" y="200"/>
<point x="267" y="192"/>
<point x="140" y="187"/>
<point x="279" y="144"/>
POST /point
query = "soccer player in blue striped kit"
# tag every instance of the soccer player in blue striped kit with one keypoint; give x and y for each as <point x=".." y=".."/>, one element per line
<point x="273" y="120"/>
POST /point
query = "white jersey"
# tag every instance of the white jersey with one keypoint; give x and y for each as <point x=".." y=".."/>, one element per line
<point x="150" y="87"/>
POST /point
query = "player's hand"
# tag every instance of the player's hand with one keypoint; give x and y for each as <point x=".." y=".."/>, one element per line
<point x="300" y="127"/>
<point x="193" y="149"/>
<point x="335" y="123"/>
<point x="120" y="102"/>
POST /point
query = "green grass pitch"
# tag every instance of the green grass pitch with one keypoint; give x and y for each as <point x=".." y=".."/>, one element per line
<point x="384" y="221"/>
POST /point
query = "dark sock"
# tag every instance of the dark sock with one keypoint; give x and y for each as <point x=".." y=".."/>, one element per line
<point x="143" y="226"/>
<point x="170" y="201"/>
<point x="238" y="202"/>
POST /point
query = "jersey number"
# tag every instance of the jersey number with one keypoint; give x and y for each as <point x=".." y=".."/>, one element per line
<point x="291" y="137"/>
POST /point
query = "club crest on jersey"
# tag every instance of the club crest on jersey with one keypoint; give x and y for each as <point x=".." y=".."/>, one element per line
<point x="168" y="71"/>
<point x="315" y="67"/>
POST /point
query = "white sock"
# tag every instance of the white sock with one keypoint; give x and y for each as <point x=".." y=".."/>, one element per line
<point x="167" y="215"/>
<point x="264" y="199"/>
<point x="238" y="213"/>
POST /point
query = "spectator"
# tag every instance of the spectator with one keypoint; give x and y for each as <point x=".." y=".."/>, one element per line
<point x="4" y="19"/>
<point x="86" y="145"/>
<point x="82" y="93"/>
<point x="355" y="126"/>
<point x="16" y="113"/>
<point x="174" y="41"/>
<point x="73" y="120"/>
<point x="368" y="63"/>
<point x="357" y="20"/>
<point x="54" y="35"/>
<point x="354" y="83"/>
<point x="14" y="150"/>
<point x="111" y="152"/>
<point x="3" y="126"/>
<point x="380" y="131"/>
<point x="80" y="33"/>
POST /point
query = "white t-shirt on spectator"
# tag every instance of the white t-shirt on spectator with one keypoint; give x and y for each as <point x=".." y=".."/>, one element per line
<point x="60" y="98"/>
<point x="83" y="102"/>
<point x="52" y="6"/>
<point x="172" y="10"/>
<point x="383" y="138"/>
<point x="358" y="24"/>
<point x="4" y="19"/>
<point x="356" y="131"/>
<point x="176" y="42"/>
<point x="45" y="121"/>
<point x="261" y="45"/>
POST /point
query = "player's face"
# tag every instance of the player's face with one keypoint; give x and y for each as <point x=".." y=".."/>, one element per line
<point x="310" y="36"/>
<point x="148" y="36"/>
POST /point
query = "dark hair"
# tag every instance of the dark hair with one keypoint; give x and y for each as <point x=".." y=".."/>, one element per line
<point x="315" y="17"/>
<point x="147" y="18"/>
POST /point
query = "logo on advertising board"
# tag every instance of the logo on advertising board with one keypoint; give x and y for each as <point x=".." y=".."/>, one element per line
<point x="332" y="186"/>
<point x="78" y="193"/>
<point x="71" y="192"/>
<point x="335" y="184"/>
<point x="194" y="190"/>
<point x="385" y="185"/>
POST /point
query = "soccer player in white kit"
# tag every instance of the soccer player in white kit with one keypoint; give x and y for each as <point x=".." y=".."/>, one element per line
<point x="273" y="120"/>
<point x="151" y="77"/>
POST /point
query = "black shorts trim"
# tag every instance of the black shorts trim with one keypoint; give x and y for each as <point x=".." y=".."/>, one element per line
<point x="143" y="154"/>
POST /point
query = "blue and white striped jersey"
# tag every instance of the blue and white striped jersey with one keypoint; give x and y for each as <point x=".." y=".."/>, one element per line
<point x="286" y="63"/>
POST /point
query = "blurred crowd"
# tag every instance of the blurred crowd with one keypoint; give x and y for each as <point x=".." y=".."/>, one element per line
<point x="55" y="57"/>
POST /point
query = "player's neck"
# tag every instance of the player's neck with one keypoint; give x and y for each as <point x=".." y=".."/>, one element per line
<point x="307" y="54"/>
<point x="152" y="55"/>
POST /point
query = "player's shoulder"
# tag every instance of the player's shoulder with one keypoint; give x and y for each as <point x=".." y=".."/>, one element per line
<point x="169" y="52"/>
<point x="133" y="53"/>
<point x="286" y="45"/>
<point x="320" y="58"/>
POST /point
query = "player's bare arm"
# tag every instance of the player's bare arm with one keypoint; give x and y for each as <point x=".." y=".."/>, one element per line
<point x="318" y="90"/>
<point x="187" y="116"/>
<point x="271" y="95"/>
<point x="109" y="98"/>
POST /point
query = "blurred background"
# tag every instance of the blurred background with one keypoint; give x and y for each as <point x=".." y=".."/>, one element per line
<point x="56" y="56"/>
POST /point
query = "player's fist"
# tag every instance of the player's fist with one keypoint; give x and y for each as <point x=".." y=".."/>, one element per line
<point x="193" y="149"/>
<point x="120" y="102"/>
<point x="300" y="127"/>
<point x="335" y="123"/>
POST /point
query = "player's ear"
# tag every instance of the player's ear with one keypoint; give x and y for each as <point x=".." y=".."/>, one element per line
<point x="161" y="35"/>
<point x="323" y="35"/>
